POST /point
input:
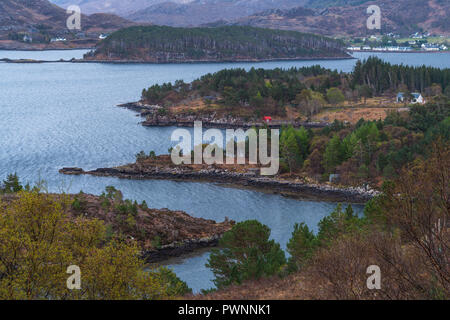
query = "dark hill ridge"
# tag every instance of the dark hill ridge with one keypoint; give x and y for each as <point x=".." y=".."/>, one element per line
<point x="160" y="44"/>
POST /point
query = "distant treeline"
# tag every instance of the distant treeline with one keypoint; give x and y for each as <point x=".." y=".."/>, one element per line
<point x="229" y="43"/>
<point x="381" y="76"/>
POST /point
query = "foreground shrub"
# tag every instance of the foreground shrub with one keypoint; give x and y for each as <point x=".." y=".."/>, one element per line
<point x="245" y="253"/>
<point x="39" y="241"/>
<point x="405" y="233"/>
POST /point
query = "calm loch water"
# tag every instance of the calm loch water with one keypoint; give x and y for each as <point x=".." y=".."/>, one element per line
<point x="62" y="114"/>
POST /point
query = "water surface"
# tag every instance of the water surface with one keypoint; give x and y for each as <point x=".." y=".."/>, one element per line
<point x="62" y="114"/>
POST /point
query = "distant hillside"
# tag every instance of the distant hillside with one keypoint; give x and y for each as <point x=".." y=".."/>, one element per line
<point x="119" y="7"/>
<point x="40" y="21"/>
<point x="128" y="7"/>
<point x="400" y="16"/>
<point x="326" y="17"/>
<point x="167" y="44"/>
<point x="199" y="12"/>
<point x="17" y="15"/>
<point x="334" y="3"/>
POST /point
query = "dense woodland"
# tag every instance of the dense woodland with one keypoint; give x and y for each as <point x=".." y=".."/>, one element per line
<point x="381" y="76"/>
<point x="257" y="90"/>
<point x="368" y="152"/>
<point x="168" y="44"/>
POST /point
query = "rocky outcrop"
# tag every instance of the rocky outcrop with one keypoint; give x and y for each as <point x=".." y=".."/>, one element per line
<point x="154" y="118"/>
<point x="160" y="233"/>
<point x="250" y="179"/>
<point x="179" y="248"/>
<point x="72" y="171"/>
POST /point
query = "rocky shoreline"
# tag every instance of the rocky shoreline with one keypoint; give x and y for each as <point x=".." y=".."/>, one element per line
<point x="12" y="45"/>
<point x="153" y="62"/>
<point x="178" y="249"/>
<point x="290" y="188"/>
<point x="153" y="118"/>
<point x="6" y="60"/>
<point x="213" y="60"/>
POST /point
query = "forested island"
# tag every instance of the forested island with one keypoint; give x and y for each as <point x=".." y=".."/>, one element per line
<point x="161" y="44"/>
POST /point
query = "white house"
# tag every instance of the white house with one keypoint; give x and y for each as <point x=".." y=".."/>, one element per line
<point x="417" y="98"/>
<point x="59" y="39"/>
<point x="27" y="38"/>
<point x="430" y="47"/>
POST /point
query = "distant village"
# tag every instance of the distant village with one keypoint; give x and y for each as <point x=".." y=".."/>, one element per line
<point x="42" y="35"/>
<point x="390" y="42"/>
